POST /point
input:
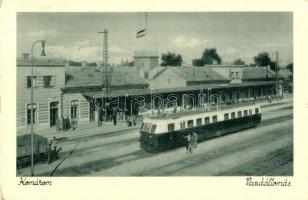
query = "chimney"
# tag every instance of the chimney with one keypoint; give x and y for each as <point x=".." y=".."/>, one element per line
<point x="25" y="56"/>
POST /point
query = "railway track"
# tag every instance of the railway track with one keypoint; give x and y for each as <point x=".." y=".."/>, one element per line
<point x="92" y="156"/>
<point x="135" y="154"/>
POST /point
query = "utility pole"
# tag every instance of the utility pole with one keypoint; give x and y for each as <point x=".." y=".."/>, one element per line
<point x="276" y="73"/>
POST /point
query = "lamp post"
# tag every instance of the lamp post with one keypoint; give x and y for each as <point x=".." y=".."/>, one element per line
<point x="152" y="111"/>
<point x="32" y="118"/>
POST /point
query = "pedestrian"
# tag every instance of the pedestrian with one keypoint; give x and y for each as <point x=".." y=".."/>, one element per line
<point x="195" y="138"/>
<point x="54" y="144"/>
<point x="49" y="152"/>
<point x="189" y="143"/>
<point x="114" y="119"/>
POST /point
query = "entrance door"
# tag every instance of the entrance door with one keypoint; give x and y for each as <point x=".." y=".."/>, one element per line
<point x="53" y="113"/>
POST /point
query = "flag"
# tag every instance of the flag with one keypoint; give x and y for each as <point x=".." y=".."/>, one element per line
<point x="141" y="33"/>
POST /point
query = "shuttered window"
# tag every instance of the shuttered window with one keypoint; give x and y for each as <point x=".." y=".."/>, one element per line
<point x="48" y="81"/>
<point x="28" y="81"/>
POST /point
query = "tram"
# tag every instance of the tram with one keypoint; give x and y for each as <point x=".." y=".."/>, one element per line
<point x="162" y="133"/>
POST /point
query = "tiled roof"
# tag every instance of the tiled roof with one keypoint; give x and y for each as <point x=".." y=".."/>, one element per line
<point x="148" y="91"/>
<point x="41" y="62"/>
<point x="90" y="76"/>
<point x="285" y="72"/>
<point x="198" y="74"/>
<point x="257" y="73"/>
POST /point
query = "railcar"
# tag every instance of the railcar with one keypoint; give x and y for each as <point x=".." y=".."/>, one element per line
<point x="24" y="149"/>
<point x="162" y="133"/>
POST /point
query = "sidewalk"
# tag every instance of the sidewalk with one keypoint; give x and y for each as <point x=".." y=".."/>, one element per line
<point x="84" y="129"/>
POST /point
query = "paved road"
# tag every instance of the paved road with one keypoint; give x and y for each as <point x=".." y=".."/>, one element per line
<point x="264" y="150"/>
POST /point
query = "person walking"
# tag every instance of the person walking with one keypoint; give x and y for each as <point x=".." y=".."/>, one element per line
<point x="189" y="143"/>
<point x="114" y="119"/>
<point x="195" y="139"/>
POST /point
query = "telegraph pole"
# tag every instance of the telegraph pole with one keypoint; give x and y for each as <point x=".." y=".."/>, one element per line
<point x="276" y="73"/>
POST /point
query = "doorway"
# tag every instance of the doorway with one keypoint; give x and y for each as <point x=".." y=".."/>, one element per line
<point x="53" y="113"/>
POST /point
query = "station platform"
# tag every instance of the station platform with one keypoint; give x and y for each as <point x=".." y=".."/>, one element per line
<point x="86" y="129"/>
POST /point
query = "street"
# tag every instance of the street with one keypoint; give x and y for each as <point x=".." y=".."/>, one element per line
<point x="264" y="150"/>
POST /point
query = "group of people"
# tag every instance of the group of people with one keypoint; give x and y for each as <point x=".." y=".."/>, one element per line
<point x="191" y="142"/>
<point x="66" y="124"/>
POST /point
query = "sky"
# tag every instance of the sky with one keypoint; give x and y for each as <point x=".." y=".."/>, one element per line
<point x="234" y="34"/>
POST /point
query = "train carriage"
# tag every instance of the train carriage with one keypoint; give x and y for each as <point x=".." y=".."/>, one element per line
<point x="166" y="132"/>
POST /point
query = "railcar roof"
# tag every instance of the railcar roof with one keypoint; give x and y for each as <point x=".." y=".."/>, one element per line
<point x="194" y="112"/>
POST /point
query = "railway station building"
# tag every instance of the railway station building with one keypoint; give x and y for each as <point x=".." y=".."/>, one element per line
<point x="62" y="91"/>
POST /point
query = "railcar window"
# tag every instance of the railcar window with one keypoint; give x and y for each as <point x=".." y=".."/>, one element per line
<point x="214" y="118"/>
<point x="233" y="115"/>
<point x="190" y="123"/>
<point x="146" y="127"/>
<point x="199" y="122"/>
<point x="226" y="116"/>
<point x="170" y="127"/>
<point x="257" y="110"/>
<point x="250" y="112"/>
<point x="206" y="120"/>
<point x="239" y="114"/>
<point x="245" y="113"/>
<point x="153" y="129"/>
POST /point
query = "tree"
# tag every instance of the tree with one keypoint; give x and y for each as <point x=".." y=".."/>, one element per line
<point x="171" y="59"/>
<point x="238" y="62"/>
<point x="263" y="59"/>
<point x="208" y="57"/>
<point x="290" y="67"/>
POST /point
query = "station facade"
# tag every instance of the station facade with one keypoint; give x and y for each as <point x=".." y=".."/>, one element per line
<point x="62" y="91"/>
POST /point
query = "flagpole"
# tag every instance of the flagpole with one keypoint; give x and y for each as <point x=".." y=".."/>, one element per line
<point x="146" y="31"/>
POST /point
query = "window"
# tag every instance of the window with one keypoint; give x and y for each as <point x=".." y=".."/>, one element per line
<point x="34" y="81"/>
<point x="48" y="81"/>
<point x="257" y="110"/>
<point x="214" y="118"/>
<point x="226" y="116"/>
<point x="199" y="122"/>
<point x="34" y="115"/>
<point x="239" y="114"/>
<point x="74" y="109"/>
<point x="233" y="115"/>
<point x="206" y="120"/>
<point x="245" y="113"/>
<point x="146" y="127"/>
<point x="170" y="127"/>
<point x="250" y="112"/>
<point x="190" y="123"/>
<point x="153" y="128"/>
<point x="182" y="125"/>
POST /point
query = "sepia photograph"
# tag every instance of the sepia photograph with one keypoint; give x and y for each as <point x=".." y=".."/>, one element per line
<point x="154" y="94"/>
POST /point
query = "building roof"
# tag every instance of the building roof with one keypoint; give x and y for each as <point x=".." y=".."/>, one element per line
<point x="147" y="91"/>
<point x="284" y="72"/>
<point x="41" y="62"/>
<point x="90" y="76"/>
<point x="198" y="74"/>
<point x="257" y="73"/>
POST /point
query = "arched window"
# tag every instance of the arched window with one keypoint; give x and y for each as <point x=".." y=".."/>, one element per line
<point x="34" y="114"/>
